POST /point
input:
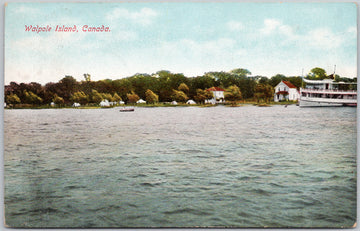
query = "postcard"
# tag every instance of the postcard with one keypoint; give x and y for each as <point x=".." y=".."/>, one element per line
<point x="180" y="115"/>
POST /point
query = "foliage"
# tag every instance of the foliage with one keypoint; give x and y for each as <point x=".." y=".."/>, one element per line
<point x="87" y="77"/>
<point x="116" y="97"/>
<point x="184" y="88"/>
<point x="132" y="97"/>
<point x="58" y="100"/>
<point x="96" y="97"/>
<point x="151" y="97"/>
<point x="12" y="99"/>
<point x="107" y="96"/>
<point x="166" y="85"/>
<point x="80" y="97"/>
<point x="31" y="98"/>
<point x="241" y="72"/>
<point x="202" y="95"/>
<point x="233" y="94"/>
<point x="317" y="73"/>
<point x="179" y="96"/>
<point x="264" y="92"/>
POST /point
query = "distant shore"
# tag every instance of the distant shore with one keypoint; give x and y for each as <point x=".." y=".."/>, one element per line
<point x="239" y="104"/>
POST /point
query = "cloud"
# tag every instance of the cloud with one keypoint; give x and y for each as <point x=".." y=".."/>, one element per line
<point x="143" y="17"/>
<point x="323" y="38"/>
<point x="270" y="26"/>
<point x="318" y="38"/>
<point x="235" y="25"/>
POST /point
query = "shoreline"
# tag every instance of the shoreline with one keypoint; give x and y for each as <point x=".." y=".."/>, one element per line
<point x="153" y="106"/>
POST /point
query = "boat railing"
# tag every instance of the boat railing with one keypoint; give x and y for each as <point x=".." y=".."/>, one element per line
<point x="327" y="90"/>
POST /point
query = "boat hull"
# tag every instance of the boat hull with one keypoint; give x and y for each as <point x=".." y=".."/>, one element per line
<point x="319" y="102"/>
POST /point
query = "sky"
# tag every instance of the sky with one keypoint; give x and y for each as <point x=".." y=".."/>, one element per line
<point x="188" y="37"/>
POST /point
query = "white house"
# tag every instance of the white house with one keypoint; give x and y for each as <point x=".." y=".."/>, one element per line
<point x="286" y="91"/>
<point x="218" y="94"/>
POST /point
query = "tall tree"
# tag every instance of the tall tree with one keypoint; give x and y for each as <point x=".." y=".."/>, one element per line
<point x="132" y="97"/>
<point x="317" y="73"/>
<point x="241" y="72"/>
<point x="179" y="96"/>
<point x="151" y="97"/>
<point x="233" y="94"/>
<point x="264" y="92"/>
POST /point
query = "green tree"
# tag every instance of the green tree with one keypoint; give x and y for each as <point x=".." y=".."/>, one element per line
<point x="151" y="97"/>
<point x="12" y="99"/>
<point x="275" y="80"/>
<point x="179" y="96"/>
<point x="87" y="77"/>
<point x="32" y="98"/>
<point x="184" y="88"/>
<point x="317" y="73"/>
<point x="116" y="97"/>
<point x="202" y="95"/>
<point x="264" y="92"/>
<point x="241" y="72"/>
<point x="233" y="94"/>
<point x="107" y="96"/>
<point x="80" y="97"/>
<point x="58" y="100"/>
<point x="132" y="97"/>
<point x="96" y="97"/>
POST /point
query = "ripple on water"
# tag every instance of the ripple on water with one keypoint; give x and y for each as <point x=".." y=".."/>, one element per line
<point x="154" y="168"/>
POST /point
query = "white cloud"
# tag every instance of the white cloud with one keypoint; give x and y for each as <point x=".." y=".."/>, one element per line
<point x="143" y="17"/>
<point x="235" y="25"/>
<point x="270" y="25"/>
<point x="323" y="38"/>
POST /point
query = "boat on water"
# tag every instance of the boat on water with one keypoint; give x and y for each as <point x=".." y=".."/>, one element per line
<point x="127" y="109"/>
<point x="327" y="92"/>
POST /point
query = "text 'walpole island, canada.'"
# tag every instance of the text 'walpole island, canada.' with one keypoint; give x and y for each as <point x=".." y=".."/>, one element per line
<point x="63" y="28"/>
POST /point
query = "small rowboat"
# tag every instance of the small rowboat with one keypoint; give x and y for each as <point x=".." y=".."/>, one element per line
<point x="127" y="109"/>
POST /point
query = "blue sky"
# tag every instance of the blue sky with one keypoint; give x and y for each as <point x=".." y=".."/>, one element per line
<point x="188" y="37"/>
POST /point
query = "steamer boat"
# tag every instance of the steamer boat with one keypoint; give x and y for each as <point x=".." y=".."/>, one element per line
<point x="327" y="92"/>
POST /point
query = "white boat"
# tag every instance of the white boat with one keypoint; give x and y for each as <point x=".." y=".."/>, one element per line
<point x="327" y="92"/>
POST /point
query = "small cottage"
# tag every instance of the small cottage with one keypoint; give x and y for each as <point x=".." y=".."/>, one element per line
<point x="218" y="95"/>
<point x="286" y="91"/>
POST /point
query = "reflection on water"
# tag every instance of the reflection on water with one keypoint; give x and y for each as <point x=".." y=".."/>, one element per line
<point x="181" y="167"/>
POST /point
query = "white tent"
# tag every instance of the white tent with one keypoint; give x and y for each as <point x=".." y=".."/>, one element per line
<point x="105" y="103"/>
<point x="174" y="103"/>
<point x="121" y="102"/>
<point x="141" y="101"/>
<point x="190" y="101"/>
<point x="76" y="105"/>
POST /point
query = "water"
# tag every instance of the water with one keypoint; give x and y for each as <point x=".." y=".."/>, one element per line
<point x="181" y="167"/>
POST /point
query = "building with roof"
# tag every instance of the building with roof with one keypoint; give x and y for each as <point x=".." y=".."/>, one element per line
<point x="286" y="91"/>
<point x="218" y="94"/>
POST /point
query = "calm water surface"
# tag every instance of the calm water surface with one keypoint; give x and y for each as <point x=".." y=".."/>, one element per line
<point x="181" y="167"/>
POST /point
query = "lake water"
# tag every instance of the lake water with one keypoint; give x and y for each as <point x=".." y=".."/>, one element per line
<point x="181" y="167"/>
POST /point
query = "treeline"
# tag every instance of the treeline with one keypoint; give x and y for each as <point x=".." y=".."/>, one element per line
<point x="162" y="86"/>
